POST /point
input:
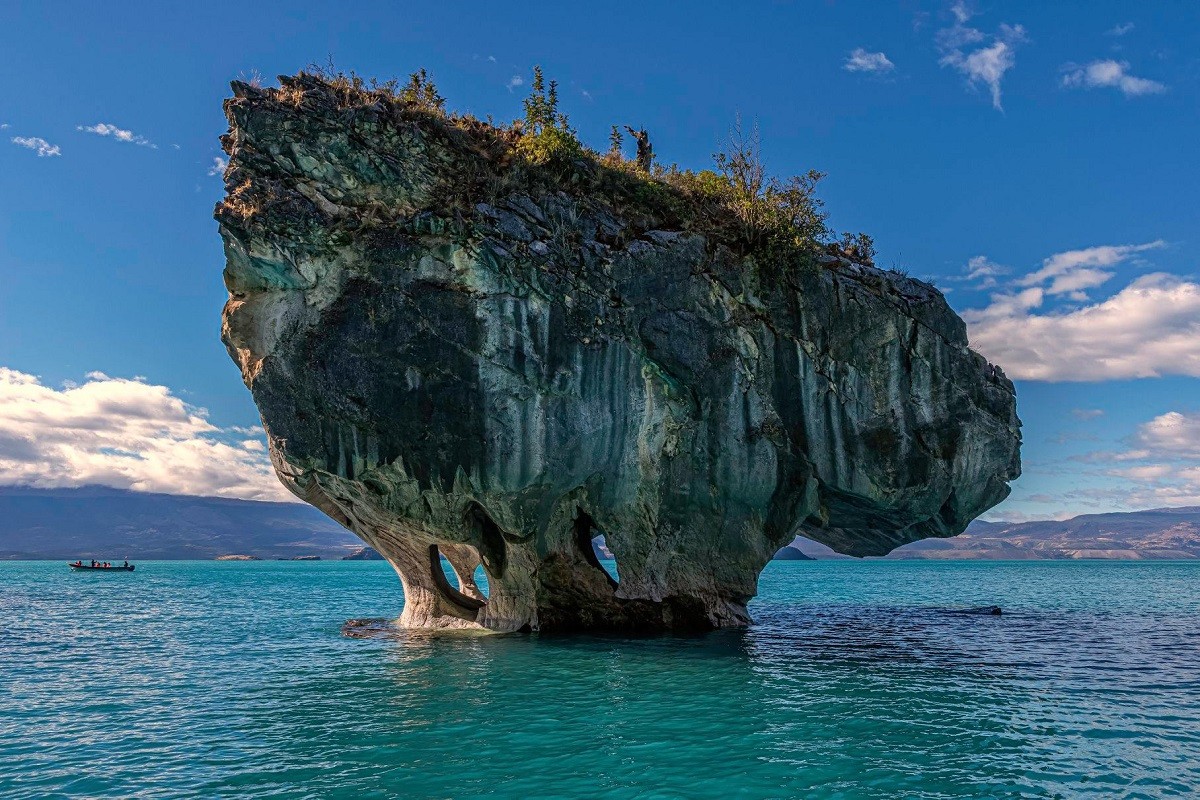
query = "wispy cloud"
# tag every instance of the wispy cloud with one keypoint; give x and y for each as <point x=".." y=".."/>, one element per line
<point x="219" y="166"/>
<point x="514" y="82"/>
<point x="1158" y="466"/>
<point x="1119" y="30"/>
<point x="860" y="60"/>
<point x="127" y="434"/>
<point x="963" y="48"/>
<point x="492" y="59"/>
<point x="120" y="134"/>
<point x="981" y="270"/>
<point x="1086" y="414"/>
<point x="37" y="144"/>
<point x="1075" y="271"/>
<point x="1109" y="74"/>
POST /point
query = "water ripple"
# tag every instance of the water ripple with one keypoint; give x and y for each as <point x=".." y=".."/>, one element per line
<point x="858" y="680"/>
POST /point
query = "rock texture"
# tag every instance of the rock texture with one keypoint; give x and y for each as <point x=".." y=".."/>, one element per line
<point x="456" y="357"/>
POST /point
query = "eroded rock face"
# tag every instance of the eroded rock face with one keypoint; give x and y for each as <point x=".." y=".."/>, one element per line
<point x="497" y="379"/>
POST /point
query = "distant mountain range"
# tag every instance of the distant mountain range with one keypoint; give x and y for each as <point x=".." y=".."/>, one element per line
<point x="102" y="523"/>
<point x="1161" y="533"/>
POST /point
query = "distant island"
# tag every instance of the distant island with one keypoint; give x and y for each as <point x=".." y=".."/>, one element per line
<point x="113" y="523"/>
<point x="363" y="554"/>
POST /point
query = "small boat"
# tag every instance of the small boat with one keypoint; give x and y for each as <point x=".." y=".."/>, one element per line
<point x="100" y="566"/>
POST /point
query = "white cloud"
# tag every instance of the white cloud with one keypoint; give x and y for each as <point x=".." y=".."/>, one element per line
<point x="219" y="166"/>
<point x="1119" y="30"/>
<point x="1009" y="304"/>
<point x="38" y="144"/>
<point x="121" y="135"/>
<point x="1109" y="74"/>
<point x="1072" y="271"/>
<point x="1160" y="466"/>
<point x="126" y="434"/>
<point x="1171" y="435"/>
<point x="1086" y="413"/>
<point x="984" y="64"/>
<point x="981" y="267"/>
<point x="492" y="59"/>
<point x="1149" y="329"/>
<point x="3" y="126"/>
<point x="981" y="270"/>
<point x="862" y="61"/>
<point x="515" y="81"/>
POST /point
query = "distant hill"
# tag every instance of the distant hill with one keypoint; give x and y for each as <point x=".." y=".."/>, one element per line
<point x="102" y="523"/>
<point x="97" y="522"/>
<point x="1162" y="533"/>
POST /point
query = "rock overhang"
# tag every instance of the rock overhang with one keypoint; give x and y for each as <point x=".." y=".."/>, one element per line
<point x="488" y="369"/>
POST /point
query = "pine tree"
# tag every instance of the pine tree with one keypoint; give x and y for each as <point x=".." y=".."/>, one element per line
<point x="536" y="103"/>
<point x="615" y="143"/>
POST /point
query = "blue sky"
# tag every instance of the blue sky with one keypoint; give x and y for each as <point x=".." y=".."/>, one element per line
<point x="1036" y="160"/>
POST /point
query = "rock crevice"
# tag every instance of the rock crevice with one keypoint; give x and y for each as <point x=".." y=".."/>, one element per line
<point x="455" y="356"/>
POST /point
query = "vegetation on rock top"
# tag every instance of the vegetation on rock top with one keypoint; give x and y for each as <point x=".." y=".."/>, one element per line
<point x="777" y="224"/>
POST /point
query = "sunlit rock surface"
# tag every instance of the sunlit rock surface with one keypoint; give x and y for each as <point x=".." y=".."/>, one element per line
<point x="457" y="362"/>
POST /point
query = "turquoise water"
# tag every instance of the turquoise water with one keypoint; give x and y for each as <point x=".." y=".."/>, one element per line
<point x="195" y="679"/>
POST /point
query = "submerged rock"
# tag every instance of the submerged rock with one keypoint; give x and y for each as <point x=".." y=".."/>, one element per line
<point x="459" y="356"/>
<point x="372" y="628"/>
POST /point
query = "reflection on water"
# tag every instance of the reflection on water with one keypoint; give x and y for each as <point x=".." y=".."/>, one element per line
<point x="858" y="680"/>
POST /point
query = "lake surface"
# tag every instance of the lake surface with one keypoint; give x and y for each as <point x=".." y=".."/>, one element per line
<point x="198" y="679"/>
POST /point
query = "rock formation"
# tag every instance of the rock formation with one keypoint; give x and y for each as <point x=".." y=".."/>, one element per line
<point x="459" y="356"/>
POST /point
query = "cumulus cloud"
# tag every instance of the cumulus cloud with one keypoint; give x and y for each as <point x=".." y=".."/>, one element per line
<point x="38" y="145"/>
<point x="127" y="434"/>
<point x="860" y="60"/>
<point x="120" y="134"/>
<point x="1149" y="329"/>
<point x="219" y="166"/>
<point x="514" y="82"/>
<point x="981" y="58"/>
<point x="1171" y="435"/>
<point x="1109" y="74"/>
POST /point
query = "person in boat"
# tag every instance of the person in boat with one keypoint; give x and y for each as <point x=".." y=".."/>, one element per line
<point x="126" y="564"/>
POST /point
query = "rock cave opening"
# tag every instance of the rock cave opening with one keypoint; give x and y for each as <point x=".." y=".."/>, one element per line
<point x="441" y="567"/>
<point x="481" y="581"/>
<point x="586" y="532"/>
<point x="493" y="549"/>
